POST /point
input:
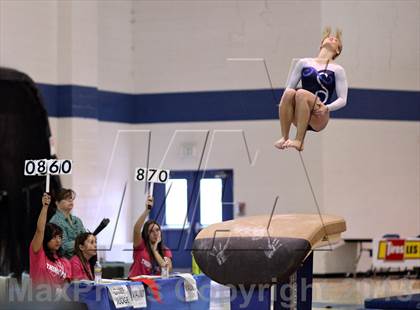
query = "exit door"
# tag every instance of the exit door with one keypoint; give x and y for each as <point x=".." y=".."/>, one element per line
<point x="190" y="201"/>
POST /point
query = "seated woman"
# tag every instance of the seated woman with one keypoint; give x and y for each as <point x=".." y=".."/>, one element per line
<point x="84" y="252"/>
<point x="149" y="255"/>
<point x="47" y="266"/>
<point x="309" y="108"/>
<point x="71" y="225"/>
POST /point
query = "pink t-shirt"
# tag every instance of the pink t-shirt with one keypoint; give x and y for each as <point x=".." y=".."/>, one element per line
<point x="77" y="270"/>
<point x="142" y="264"/>
<point x="44" y="271"/>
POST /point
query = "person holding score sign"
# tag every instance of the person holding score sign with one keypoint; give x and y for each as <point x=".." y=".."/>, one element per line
<point x="70" y="225"/>
<point x="150" y="255"/>
<point x="47" y="266"/>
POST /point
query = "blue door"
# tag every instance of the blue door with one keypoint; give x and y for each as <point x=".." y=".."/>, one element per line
<point x="190" y="201"/>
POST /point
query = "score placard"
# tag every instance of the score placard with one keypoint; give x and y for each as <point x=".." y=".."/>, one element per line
<point x="47" y="166"/>
<point x="151" y="175"/>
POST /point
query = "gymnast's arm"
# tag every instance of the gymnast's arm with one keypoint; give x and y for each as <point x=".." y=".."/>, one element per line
<point x="341" y="88"/>
<point x="295" y="75"/>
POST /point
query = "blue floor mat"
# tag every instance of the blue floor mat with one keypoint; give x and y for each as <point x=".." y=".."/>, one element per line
<point x="395" y="302"/>
<point x="332" y="305"/>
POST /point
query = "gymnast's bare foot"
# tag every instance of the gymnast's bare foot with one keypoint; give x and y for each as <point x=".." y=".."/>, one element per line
<point x="298" y="145"/>
<point x="280" y="143"/>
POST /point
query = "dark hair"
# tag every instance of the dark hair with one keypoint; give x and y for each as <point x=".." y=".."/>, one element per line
<point x="65" y="193"/>
<point x="51" y="231"/>
<point x="146" y="238"/>
<point x="80" y="240"/>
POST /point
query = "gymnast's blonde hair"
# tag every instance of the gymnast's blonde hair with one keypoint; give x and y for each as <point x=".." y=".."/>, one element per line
<point x="338" y="34"/>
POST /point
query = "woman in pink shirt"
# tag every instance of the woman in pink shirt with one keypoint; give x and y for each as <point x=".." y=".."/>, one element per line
<point x="84" y="251"/>
<point x="47" y="266"/>
<point x="149" y="254"/>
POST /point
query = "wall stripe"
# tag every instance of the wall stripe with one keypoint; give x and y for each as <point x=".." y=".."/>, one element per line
<point x="89" y="102"/>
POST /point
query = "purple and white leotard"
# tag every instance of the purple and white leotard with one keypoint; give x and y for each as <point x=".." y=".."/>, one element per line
<point x="321" y="80"/>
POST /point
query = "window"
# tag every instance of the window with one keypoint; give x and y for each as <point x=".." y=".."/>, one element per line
<point x="210" y="201"/>
<point x="176" y="202"/>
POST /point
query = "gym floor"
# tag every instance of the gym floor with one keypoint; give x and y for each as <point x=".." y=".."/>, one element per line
<point x="350" y="293"/>
<point x="340" y="293"/>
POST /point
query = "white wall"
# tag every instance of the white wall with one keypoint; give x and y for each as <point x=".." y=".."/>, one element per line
<point x="183" y="45"/>
<point x="28" y="38"/>
<point x="381" y="41"/>
<point x="155" y="41"/>
<point x="191" y="41"/>
<point x="367" y="171"/>
<point x="116" y="47"/>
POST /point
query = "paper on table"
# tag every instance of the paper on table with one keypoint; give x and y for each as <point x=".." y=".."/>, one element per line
<point x="138" y="296"/>
<point x="105" y="281"/>
<point x="145" y="277"/>
<point x="120" y="296"/>
<point x="190" y="286"/>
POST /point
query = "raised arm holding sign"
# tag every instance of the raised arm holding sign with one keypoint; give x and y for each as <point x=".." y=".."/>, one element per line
<point x="150" y="255"/>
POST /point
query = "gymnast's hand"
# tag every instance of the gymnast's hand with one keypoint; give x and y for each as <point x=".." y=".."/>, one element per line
<point x="320" y="109"/>
<point x="46" y="200"/>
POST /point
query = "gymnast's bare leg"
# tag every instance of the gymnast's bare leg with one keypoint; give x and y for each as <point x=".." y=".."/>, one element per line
<point x="308" y="111"/>
<point x="286" y="115"/>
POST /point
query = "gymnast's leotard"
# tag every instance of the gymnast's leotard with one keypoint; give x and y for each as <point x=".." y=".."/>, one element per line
<point x="321" y="80"/>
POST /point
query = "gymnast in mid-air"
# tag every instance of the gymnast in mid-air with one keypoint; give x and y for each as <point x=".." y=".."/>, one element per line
<point x="309" y="107"/>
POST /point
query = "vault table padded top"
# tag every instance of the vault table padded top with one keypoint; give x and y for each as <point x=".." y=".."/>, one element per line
<point x="257" y="250"/>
